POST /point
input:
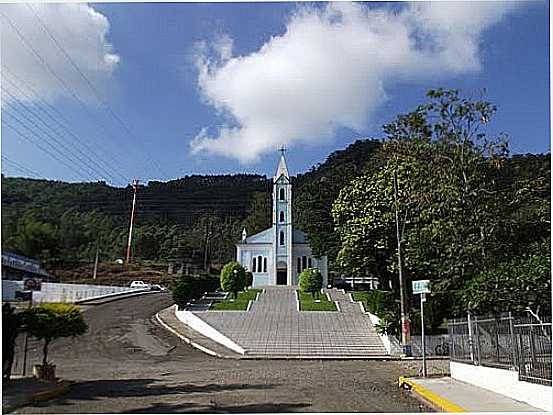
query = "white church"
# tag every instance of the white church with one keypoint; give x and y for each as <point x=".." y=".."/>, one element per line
<point x="276" y="256"/>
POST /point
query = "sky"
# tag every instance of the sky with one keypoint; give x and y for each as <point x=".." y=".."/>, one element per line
<point x="159" y="91"/>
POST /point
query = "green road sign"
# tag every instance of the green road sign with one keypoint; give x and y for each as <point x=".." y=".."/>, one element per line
<point x="421" y="286"/>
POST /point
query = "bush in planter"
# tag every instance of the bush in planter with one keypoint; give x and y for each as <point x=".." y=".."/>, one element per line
<point x="182" y="291"/>
<point x="311" y="281"/>
<point x="11" y="326"/>
<point x="51" y="321"/>
<point x="233" y="278"/>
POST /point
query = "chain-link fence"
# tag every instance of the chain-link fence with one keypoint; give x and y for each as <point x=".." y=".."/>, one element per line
<point x="507" y="342"/>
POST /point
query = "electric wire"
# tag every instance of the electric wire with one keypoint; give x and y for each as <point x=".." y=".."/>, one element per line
<point x="91" y="85"/>
<point x="54" y="156"/>
<point x="92" y="171"/>
<point x="15" y="165"/>
<point x="49" y="68"/>
<point x="34" y="97"/>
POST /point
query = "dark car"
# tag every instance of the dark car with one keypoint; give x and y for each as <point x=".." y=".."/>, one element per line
<point x="341" y="284"/>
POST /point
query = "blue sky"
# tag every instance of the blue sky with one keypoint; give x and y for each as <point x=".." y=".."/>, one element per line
<point x="153" y="86"/>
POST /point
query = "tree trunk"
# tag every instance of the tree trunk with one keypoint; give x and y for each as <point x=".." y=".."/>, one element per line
<point x="45" y="353"/>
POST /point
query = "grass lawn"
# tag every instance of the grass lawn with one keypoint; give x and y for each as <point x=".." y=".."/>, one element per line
<point x="240" y="304"/>
<point x="360" y="296"/>
<point x="307" y="303"/>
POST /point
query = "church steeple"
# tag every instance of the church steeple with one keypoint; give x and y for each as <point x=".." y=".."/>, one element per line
<point x="282" y="169"/>
<point x="282" y="223"/>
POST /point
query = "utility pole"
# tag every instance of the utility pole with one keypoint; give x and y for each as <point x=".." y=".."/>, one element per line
<point x="207" y="237"/>
<point x="135" y="188"/>
<point x="96" y="261"/>
<point x="405" y="329"/>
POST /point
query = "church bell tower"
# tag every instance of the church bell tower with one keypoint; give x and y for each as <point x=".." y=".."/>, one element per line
<point x="282" y="223"/>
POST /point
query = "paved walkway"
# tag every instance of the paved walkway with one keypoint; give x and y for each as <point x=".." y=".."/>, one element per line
<point x="458" y="396"/>
<point x="274" y="328"/>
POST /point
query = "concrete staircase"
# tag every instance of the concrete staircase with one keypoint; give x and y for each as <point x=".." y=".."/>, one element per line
<point x="282" y="332"/>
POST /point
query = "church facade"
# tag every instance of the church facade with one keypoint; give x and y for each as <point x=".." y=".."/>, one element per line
<point x="276" y="256"/>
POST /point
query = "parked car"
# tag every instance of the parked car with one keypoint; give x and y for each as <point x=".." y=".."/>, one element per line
<point x="140" y="284"/>
<point x="158" y="287"/>
<point x="342" y="284"/>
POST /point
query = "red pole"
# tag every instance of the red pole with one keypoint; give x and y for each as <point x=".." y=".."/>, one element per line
<point x="135" y="188"/>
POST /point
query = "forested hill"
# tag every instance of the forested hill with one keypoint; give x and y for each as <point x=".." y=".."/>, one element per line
<point x="179" y="218"/>
<point x="177" y="201"/>
<point x="190" y="216"/>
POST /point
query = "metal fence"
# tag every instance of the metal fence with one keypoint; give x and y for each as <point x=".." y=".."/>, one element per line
<point x="507" y="342"/>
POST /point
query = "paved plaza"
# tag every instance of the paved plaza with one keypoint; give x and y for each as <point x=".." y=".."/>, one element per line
<point x="274" y="328"/>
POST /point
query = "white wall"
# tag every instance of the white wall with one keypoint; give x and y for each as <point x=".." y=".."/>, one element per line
<point x="58" y="292"/>
<point x="202" y="327"/>
<point x="504" y="382"/>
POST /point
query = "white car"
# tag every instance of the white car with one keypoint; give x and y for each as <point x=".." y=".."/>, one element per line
<point x="158" y="287"/>
<point x="140" y="284"/>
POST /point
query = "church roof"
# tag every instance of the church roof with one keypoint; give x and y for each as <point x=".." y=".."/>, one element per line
<point x="282" y="169"/>
<point x="266" y="237"/>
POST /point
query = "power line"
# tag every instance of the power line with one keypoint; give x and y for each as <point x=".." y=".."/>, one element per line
<point x="20" y="167"/>
<point x="25" y="137"/>
<point x="33" y="96"/>
<point x="49" y="68"/>
<point x="91" y="85"/>
<point x="87" y="165"/>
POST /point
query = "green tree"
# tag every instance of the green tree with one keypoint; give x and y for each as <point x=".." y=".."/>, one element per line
<point x="311" y="281"/>
<point x="233" y="277"/>
<point x="50" y="321"/>
<point x="37" y="239"/>
<point x="519" y="285"/>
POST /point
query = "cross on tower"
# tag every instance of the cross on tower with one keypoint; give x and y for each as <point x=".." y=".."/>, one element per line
<point x="282" y="150"/>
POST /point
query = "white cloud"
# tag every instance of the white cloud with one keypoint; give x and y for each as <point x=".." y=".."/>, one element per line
<point x="78" y="28"/>
<point x="330" y="69"/>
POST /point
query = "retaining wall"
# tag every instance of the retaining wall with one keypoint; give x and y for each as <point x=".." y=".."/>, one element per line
<point x="504" y="382"/>
<point x="60" y="292"/>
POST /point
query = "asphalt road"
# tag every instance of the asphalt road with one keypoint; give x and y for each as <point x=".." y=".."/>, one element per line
<point x="127" y="363"/>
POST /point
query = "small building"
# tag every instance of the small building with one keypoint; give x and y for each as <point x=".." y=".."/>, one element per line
<point x="18" y="267"/>
<point x="277" y="255"/>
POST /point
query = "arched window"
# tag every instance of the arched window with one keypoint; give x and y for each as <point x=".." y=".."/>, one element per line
<point x="304" y="262"/>
<point x="281" y="216"/>
<point x="259" y="263"/>
<point x="254" y="265"/>
<point x="281" y="240"/>
<point x="299" y="264"/>
<point x="309" y="263"/>
<point x="265" y="264"/>
<point x="281" y="194"/>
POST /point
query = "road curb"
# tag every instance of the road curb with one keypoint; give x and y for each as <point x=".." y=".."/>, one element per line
<point x="438" y="402"/>
<point x="190" y="342"/>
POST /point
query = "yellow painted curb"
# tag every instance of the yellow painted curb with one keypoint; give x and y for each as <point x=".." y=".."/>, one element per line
<point x="53" y="393"/>
<point x="433" y="398"/>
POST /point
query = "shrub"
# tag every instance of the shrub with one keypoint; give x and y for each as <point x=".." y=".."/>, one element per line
<point x="233" y="278"/>
<point x="182" y="291"/>
<point x="50" y="321"/>
<point x="379" y="301"/>
<point x="249" y="278"/>
<point x="311" y="281"/>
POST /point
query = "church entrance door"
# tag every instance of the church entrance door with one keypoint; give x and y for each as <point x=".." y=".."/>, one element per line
<point x="282" y="277"/>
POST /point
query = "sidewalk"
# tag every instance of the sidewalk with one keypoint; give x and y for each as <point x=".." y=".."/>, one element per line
<point x="19" y="392"/>
<point x="449" y="395"/>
